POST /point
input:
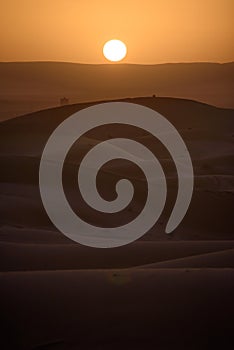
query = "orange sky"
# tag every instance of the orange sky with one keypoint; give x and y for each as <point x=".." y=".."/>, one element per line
<point x="155" y="31"/>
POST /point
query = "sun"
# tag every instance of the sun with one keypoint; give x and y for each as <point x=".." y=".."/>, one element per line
<point x="114" y="50"/>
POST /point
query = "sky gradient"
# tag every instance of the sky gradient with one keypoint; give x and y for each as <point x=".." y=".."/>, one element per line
<point x="154" y="31"/>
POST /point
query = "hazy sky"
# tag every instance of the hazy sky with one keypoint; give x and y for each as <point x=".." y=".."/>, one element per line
<point x="154" y="31"/>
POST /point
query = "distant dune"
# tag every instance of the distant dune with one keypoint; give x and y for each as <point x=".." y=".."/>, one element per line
<point x="30" y="86"/>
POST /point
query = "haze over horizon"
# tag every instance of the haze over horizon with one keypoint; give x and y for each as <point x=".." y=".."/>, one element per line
<point x="114" y="63"/>
<point x="155" y="32"/>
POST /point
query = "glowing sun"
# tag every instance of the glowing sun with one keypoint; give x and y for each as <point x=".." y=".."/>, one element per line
<point x="114" y="50"/>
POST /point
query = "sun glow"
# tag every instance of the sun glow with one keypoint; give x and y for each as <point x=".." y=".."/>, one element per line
<point x="114" y="50"/>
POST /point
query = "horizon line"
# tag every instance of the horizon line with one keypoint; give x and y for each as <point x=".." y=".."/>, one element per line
<point x="119" y="63"/>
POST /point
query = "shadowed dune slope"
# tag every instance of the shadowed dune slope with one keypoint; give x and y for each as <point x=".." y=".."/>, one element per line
<point x="207" y="131"/>
<point x="162" y="292"/>
<point x="133" y="309"/>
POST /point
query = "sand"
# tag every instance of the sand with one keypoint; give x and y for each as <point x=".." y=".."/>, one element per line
<point x="134" y="309"/>
<point x="161" y="292"/>
<point x="29" y="86"/>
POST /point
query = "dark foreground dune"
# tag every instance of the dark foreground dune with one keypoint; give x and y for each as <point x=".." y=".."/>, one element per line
<point x="161" y="292"/>
<point x="207" y="131"/>
<point x="130" y="309"/>
<point x="26" y="257"/>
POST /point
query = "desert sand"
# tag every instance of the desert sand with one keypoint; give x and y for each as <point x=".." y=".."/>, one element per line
<point x="161" y="292"/>
<point x="29" y="86"/>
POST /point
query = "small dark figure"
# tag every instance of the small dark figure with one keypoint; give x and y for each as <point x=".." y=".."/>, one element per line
<point x="64" y="101"/>
<point x="154" y="96"/>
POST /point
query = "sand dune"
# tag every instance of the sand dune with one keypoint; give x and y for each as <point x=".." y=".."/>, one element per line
<point x="163" y="291"/>
<point x="29" y="86"/>
<point x="207" y="131"/>
<point x="143" y="309"/>
<point x="37" y="256"/>
<point x="220" y="259"/>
